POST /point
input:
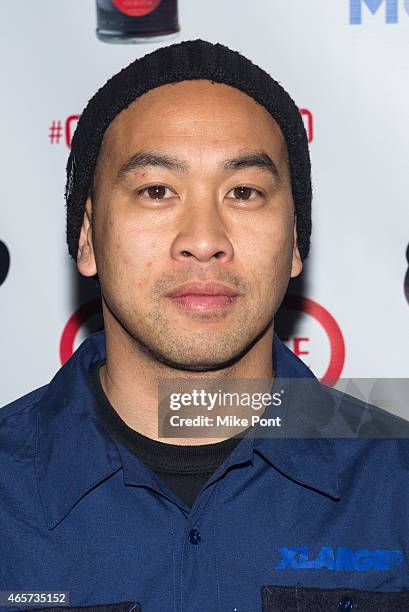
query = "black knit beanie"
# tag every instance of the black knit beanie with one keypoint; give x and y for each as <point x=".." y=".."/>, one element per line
<point x="193" y="59"/>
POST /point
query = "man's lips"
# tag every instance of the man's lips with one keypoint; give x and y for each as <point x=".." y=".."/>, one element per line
<point x="204" y="302"/>
<point x="195" y="288"/>
<point x="203" y="296"/>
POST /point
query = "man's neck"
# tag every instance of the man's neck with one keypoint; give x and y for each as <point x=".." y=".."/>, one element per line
<point x="130" y="377"/>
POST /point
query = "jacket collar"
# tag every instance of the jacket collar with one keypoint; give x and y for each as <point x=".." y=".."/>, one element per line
<point x="75" y="454"/>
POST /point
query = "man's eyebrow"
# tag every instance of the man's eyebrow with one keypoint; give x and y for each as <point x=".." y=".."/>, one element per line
<point x="147" y="158"/>
<point x="249" y="160"/>
<point x="258" y="159"/>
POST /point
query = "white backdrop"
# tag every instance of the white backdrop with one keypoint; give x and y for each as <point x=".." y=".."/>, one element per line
<point x="345" y="63"/>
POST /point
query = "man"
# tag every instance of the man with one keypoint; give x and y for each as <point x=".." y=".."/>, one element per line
<point x="188" y="198"/>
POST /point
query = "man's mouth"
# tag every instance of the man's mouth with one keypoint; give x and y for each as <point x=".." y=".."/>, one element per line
<point x="203" y="296"/>
<point x="204" y="302"/>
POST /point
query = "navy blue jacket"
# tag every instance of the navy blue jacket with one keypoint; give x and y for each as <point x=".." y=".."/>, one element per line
<point x="317" y="523"/>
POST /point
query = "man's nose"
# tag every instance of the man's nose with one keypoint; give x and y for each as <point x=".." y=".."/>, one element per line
<point x="203" y="233"/>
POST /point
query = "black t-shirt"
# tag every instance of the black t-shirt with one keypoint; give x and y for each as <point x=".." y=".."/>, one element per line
<point x="185" y="469"/>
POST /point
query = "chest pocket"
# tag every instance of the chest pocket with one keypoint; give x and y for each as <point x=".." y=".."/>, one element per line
<point x="123" y="606"/>
<point x="306" y="599"/>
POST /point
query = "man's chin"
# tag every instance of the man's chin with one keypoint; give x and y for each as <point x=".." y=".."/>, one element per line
<point x="190" y="359"/>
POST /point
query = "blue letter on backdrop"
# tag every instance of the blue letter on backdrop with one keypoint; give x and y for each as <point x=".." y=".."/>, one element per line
<point x="355" y="9"/>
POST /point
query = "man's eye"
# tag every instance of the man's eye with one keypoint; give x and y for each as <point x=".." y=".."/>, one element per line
<point x="244" y="193"/>
<point x="155" y="192"/>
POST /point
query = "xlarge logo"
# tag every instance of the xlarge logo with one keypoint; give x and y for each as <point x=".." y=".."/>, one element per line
<point x="391" y="7"/>
<point x="341" y="558"/>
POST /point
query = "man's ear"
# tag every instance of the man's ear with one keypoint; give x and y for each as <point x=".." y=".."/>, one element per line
<point x="296" y="262"/>
<point x="86" y="263"/>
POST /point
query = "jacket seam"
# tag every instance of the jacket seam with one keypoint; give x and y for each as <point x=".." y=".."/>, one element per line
<point x="37" y="475"/>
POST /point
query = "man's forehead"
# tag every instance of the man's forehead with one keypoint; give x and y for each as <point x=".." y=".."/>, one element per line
<point x="186" y="90"/>
<point x="163" y="107"/>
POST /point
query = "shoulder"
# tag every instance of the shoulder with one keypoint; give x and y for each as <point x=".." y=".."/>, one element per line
<point x="18" y="414"/>
<point x="365" y="419"/>
<point x="369" y="439"/>
<point x="18" y="447"/>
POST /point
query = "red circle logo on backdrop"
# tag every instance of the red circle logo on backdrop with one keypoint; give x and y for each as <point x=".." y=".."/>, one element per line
<point x="74" y="323"/>
<point x="331" y="328"/>
<point x="136" y="8"/>
<point x="290" y="302"/>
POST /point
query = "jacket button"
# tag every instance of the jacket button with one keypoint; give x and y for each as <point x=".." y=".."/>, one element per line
<point x="345" y="604"/>
<point x="194" y="536"/>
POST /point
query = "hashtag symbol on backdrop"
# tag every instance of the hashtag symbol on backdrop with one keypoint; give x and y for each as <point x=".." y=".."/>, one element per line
<point x="55" y="133"/>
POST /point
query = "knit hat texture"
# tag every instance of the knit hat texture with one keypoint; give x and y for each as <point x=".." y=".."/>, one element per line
<point x="188" y="60"/>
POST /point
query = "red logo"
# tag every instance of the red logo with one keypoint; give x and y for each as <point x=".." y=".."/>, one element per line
<point x="331" y="329"/>
<point x="56" y="130"/>
<point x="136" y="8"/>
<point x="74" y="323"/>
<point x="308" y="123"/>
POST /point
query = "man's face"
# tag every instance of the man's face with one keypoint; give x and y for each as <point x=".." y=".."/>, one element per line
<point x="215" y="209"/>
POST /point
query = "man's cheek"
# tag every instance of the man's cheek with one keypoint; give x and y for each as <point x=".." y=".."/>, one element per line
<point x="125" y="248"/>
